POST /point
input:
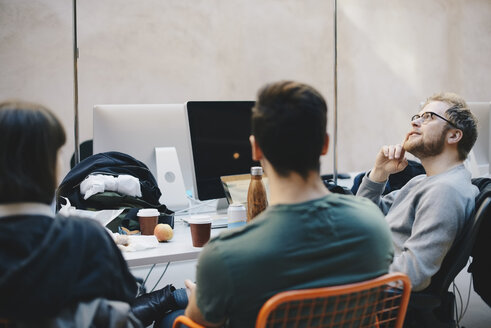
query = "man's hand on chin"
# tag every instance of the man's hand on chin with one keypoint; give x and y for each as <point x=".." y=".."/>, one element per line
<point x="389" y="160"/>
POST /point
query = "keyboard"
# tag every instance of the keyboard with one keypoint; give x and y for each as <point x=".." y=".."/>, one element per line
<point x="217" y="220"/>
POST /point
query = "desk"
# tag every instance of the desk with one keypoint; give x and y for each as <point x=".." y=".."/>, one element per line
<point x="179" y="248"/>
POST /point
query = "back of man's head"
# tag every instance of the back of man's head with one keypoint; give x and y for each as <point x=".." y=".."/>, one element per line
<point x="289" y="124"/>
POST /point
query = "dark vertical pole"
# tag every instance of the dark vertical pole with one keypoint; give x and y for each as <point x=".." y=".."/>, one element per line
<point x="75" y="83"/>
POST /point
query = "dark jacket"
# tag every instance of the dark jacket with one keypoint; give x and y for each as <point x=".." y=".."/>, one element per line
<point x="111" y="163"/>
<point x="114" y="163"/>
<point x="47" y="264"/>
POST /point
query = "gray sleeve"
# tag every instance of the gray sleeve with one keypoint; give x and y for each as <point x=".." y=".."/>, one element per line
<point x="373" y="191"/>
<point x="439" y="215"/>
<point x="214" y="288"/>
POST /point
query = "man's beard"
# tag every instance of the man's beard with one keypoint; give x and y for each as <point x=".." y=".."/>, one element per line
<point x="423" y="149"/>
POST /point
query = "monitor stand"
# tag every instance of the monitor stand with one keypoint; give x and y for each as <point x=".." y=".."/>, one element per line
<point x="217" y="210"/>
<point x="170" y="179"/>
<point x="222" y="205"/>
<point x="211" y="206"/>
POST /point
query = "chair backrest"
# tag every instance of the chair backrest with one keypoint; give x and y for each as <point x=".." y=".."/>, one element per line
<point x="183" y="321"/>
<point x="458" y="255"/>
<point x="380" y="302"/>
<point x="86" y="150"/>
<point x="481" y="262"/>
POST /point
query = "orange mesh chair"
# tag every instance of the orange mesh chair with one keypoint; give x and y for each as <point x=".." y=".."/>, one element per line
<point x="183" y="321"/>
<point x="379" y="302"/>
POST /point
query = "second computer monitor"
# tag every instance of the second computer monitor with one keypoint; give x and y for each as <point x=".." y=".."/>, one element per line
<point x="480" y="156"/>
<point x="219" y="132"/>
<point x="137" y="129"/>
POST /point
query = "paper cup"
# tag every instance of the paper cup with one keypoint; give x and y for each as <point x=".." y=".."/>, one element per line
<point x="148" y="218"/>
<point x="200" y="226"/>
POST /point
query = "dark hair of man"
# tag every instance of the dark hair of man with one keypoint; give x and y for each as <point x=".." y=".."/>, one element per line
<point x="459" y="114"/>
<point x="289" y="124"/>
<point x="30" y="138"/>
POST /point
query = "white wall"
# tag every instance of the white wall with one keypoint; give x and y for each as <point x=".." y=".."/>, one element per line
<point x="391" y="54"/>
<point x="394" y="54"/>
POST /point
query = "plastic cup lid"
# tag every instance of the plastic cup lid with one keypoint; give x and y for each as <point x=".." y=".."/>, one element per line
<point x="199" y="219"/>
<point x="145" y="212"/>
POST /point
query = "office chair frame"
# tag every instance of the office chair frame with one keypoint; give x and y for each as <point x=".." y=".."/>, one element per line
<point x="387" y="281"/>
<point x="183" y="321"/>
<point x="435" y="306"/>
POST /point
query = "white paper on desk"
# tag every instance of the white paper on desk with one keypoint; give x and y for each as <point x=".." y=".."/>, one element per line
<point x="102" y="216"/>
<point x="138" y="243"/>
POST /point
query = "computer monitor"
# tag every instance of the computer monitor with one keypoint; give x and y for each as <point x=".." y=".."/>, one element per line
<point x="138" y="129"/>
<point x="480" y="155"/>
<point x="219" y="132"/>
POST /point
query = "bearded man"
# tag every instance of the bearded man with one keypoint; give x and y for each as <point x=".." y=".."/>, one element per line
<point x="429" y="212"/>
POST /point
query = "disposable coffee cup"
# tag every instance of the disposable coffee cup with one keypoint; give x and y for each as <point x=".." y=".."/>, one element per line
<point x="200" y="226"/>
<point x="148" y="218"/>
<point x="237" y="215"/>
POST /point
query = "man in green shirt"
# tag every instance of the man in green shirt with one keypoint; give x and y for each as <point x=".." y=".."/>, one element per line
<point x="307" y="237"/>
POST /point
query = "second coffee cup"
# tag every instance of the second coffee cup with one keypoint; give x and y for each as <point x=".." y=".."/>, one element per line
<point x="200" y="226"/>
<point x="148" y="218"/>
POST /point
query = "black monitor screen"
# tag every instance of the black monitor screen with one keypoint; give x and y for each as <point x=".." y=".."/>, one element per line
<point x="219" y="133"/>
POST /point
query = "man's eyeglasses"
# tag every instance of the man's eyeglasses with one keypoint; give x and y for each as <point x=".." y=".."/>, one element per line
<point x="427" y="116"/>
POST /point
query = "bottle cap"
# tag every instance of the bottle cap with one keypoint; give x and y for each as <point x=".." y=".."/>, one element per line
<point x="256" y="170"/>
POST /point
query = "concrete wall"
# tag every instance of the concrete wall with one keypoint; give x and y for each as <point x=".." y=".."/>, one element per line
<point x="391" y="56"/>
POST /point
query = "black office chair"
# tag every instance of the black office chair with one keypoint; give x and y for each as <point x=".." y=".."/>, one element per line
<point x="397" y="180"/>
<point x="434" y="306"/>
<point x="86" y="150"/>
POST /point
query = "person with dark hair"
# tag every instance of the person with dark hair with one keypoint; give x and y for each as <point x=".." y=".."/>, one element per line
<point x="428" y="213"/>
<point x="30" y="140"/>
<point x="50" y="264"/>
<point x="306" y="238"/>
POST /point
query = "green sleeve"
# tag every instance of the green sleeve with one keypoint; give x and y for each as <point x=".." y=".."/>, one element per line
<point x="214" y="288"/>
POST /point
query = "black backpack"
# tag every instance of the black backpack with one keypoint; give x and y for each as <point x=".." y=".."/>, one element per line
<point x="481" y="261"/>
<point x="114" y="163"/>
<point x="397" y="180"/>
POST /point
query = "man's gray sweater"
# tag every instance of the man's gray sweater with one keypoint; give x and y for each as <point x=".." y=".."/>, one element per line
<point x="425" y="217"/>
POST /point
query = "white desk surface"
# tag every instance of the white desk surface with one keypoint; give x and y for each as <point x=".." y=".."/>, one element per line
<point x="179" y="248"/>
